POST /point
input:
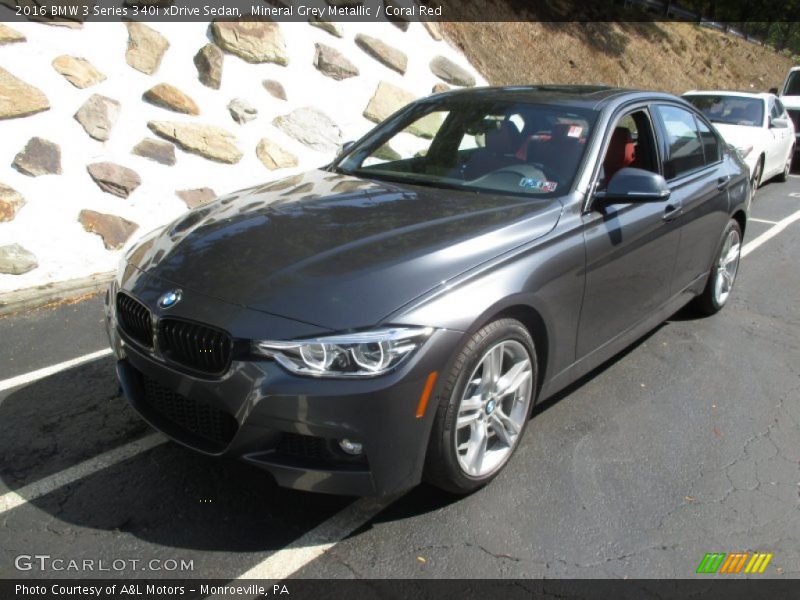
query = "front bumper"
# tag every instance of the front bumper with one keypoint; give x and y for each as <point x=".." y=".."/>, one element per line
<point x="291" y="425"/>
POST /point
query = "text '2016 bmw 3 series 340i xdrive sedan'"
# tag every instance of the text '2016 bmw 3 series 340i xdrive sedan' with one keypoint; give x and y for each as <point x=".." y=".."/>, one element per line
<point x="393" y="316"/>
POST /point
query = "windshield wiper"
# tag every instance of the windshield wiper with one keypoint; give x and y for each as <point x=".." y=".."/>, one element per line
<point x="381" y="176"/>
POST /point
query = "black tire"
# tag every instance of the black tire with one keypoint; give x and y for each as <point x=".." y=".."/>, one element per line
<point x="755" y="182"/>
<point x="442" y="467"/>
<point x="707" y="302"/>
<point x="787" y="169"/>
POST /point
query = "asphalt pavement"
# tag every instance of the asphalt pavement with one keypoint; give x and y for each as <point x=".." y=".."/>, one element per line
<point x="686" y="443"/>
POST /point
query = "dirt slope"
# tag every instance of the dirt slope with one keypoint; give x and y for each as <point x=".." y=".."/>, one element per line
<point x="672" y="57"/>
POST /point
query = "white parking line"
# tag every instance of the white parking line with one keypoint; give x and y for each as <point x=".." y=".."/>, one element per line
<point x="13" y="382"/>
<point x="769" y="233"/>
<point x="44" y="486"/>
<point x="313" y="544"/>
<point x="762" y="221"/>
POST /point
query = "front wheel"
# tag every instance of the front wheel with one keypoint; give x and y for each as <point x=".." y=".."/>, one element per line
<point x="755" y="182"/>
<point x="487" y="401"/>
<point x="787" y="168"/>
<point x="723" y="272"/>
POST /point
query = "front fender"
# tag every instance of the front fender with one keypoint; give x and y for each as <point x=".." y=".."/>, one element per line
<point x="546" y="277"/>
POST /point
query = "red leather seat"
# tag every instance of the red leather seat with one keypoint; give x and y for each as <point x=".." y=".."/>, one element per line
<point x="621" y="152"/>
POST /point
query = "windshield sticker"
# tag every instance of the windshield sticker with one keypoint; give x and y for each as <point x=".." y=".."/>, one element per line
<point x="538" y="185"/>
<point x="575" y="131"/>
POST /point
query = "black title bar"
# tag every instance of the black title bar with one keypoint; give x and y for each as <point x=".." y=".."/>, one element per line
<point x="710" y="587"/>
<point x="710" y="12"/>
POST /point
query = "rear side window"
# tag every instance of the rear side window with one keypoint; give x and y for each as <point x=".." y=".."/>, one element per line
<point x="684" y="148"/>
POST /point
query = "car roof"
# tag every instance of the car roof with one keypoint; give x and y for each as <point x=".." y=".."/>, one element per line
<point x="594" y="97"/>
<point x="760" y="95"/>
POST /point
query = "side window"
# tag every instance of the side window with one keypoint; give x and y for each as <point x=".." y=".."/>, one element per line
<point x="631" y="145"/>
<point x="684" y="149"/>
<point x="711" y="148"/>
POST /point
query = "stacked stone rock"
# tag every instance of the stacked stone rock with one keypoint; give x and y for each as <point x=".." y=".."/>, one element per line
<point x="253" y="41"/>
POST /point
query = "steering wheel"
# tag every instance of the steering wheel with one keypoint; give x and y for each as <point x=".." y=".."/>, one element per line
<point x="509" y="177"/>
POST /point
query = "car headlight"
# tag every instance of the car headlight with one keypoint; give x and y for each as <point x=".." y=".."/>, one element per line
<point x="363" y="354"/>
<point x="744" y="151"/>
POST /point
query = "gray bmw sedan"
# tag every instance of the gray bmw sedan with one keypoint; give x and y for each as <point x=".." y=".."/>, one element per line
<point x="395" y="315"/>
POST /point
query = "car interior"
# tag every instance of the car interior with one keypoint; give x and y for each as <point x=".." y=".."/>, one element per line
<point x="522" y="149"/>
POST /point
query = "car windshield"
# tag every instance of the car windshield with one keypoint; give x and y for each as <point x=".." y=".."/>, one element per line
<point x="730" y="110"/>
<point x="792" y="84"/>
<point x="486" y="145"/>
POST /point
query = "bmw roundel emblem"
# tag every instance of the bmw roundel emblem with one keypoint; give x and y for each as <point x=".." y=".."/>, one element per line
<point x="169" y="299"/>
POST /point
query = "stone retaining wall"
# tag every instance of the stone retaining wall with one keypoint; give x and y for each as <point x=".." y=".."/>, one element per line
<point x="110" y="130"/>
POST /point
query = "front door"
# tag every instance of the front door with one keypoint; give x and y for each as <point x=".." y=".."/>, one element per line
<point x="630" y="248"/>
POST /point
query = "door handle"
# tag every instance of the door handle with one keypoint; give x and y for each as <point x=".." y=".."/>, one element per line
<point x="672" y="211"/>
<point x="723" y="182"/>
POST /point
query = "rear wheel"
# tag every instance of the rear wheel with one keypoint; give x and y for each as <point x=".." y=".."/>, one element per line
<point x="723" y="273"/>
<point x="488" y="397"/>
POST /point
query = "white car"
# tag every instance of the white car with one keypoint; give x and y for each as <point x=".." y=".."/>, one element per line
<point x="757" y="125"/>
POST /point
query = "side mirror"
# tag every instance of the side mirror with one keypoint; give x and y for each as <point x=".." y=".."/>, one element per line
<point x="778" y="123"/>
<point x="635" y="185"/>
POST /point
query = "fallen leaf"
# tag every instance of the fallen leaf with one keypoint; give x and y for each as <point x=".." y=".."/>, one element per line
<point x="717" y="432"/>
<point x="421" y="559"/>
<point x="688" y="499"/>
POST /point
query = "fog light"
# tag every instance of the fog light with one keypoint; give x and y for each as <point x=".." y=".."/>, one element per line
<point x="351" y="447"/>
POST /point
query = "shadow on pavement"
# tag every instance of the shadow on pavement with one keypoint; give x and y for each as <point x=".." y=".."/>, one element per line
<point x="168" y="495"/>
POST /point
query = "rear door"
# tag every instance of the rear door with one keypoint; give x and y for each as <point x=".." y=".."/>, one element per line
<point x="784" y="135"/>
<point x="699" y="181"/>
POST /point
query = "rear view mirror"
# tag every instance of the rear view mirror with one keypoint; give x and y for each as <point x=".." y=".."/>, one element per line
<point x="635" y="185"/>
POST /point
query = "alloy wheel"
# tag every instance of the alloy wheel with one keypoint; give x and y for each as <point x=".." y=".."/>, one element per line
<point x="727" y="266"/>
<point x="493" y="408"/>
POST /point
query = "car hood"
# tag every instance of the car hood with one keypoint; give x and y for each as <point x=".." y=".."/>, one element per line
<point x="337" y="251"/>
